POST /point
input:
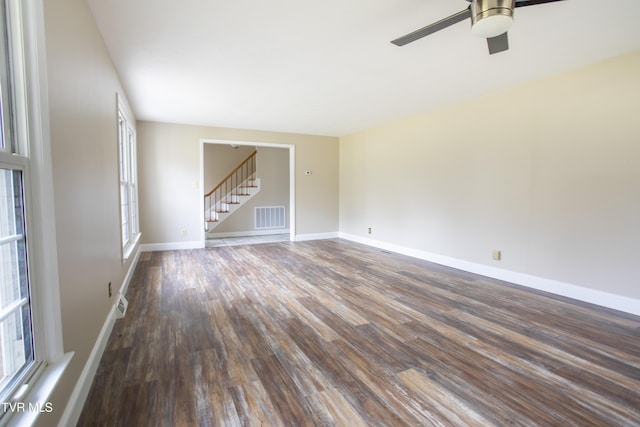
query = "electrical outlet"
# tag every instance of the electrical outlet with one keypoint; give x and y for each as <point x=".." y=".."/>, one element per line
<point x="369" y="230"/>
<point x="109" y="288"/>
<point x="184" y="232"/>
<point x="496" y="255"/>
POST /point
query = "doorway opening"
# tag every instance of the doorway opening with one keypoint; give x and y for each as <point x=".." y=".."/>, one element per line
<point x="207" y="147"/>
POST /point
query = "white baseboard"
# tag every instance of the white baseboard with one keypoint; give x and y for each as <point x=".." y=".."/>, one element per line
<point x="316" y="236"/>
<point x="171" y="246"/>
<point x="580" y="293"/>
<point x="247" y="233"/>
<point x="80" y="392"/>
<point x="127" y="278"/>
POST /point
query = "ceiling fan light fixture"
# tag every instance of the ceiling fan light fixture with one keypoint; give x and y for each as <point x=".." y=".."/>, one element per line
<point x="491" y="18"/>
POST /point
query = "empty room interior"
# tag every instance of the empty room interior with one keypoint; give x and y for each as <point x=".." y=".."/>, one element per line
<point x="326" y="213"/>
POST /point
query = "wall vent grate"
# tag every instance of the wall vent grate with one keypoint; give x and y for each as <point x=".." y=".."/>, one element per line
<point x="270" y="217"/>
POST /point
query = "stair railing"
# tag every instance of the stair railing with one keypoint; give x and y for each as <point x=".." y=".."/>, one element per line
<point x="229" y="190"/>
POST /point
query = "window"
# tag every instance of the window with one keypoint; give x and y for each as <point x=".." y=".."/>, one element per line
<point x="17" y="355"/>
<point x="16" y="344"/>
<point x="31" y="356"/>
<point x="128" y="180"/>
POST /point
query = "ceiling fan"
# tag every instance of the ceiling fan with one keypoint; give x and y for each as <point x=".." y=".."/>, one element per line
<point x="489" y="19"/>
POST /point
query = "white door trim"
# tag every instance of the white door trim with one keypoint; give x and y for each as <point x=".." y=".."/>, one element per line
<point x="292" y="179"/>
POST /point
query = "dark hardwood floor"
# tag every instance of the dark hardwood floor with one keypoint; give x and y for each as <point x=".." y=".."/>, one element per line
<point x="334" y="333"/>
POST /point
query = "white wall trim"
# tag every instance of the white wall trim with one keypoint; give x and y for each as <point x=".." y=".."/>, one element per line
<point x="580" y="293"/>
<point x="292" y="192"/>
<point x="316" y="236"/>
<point x="247" y="233"/>
<point x="80" y="392"/>
<point x="127" y="278"/>
<point x="172" y="246"/>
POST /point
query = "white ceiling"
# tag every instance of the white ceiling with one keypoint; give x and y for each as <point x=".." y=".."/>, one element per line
<point x="327" y="67"/>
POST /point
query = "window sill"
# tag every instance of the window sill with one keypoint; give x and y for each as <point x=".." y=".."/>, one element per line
<point x="128" y="250"/>
<point x="26" y="411"/>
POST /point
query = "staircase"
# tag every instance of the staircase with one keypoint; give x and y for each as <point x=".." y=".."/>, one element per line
<point x="239" y="186"/>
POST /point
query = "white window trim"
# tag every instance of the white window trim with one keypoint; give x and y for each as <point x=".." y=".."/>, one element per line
<point x="134" y="217"/>
<point x="47" y="323"/>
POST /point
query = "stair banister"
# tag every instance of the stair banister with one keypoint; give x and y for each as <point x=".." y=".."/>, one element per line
<point x="246" y="161"/>
<point x="229" y="189"/>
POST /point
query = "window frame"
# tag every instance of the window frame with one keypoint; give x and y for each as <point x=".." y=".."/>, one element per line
<point x="16" y="162"/>
<point x="30" y="151"/>
<point x="127" y="179"/>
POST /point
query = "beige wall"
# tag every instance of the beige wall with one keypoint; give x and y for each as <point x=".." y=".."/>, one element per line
<point x="169" y="175"/>
<point x="82" y="100"/>
<point x="549" y="173"/>
<point x="272" y="167"/>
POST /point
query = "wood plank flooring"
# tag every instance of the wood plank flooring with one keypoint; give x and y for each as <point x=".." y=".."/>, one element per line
<point x="331" y="333"/>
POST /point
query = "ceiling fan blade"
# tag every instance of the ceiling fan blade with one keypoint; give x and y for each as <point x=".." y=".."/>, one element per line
<point x="498" y="43"/>
<point x="432" y="28"/>
<point x="533" y="2"/>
